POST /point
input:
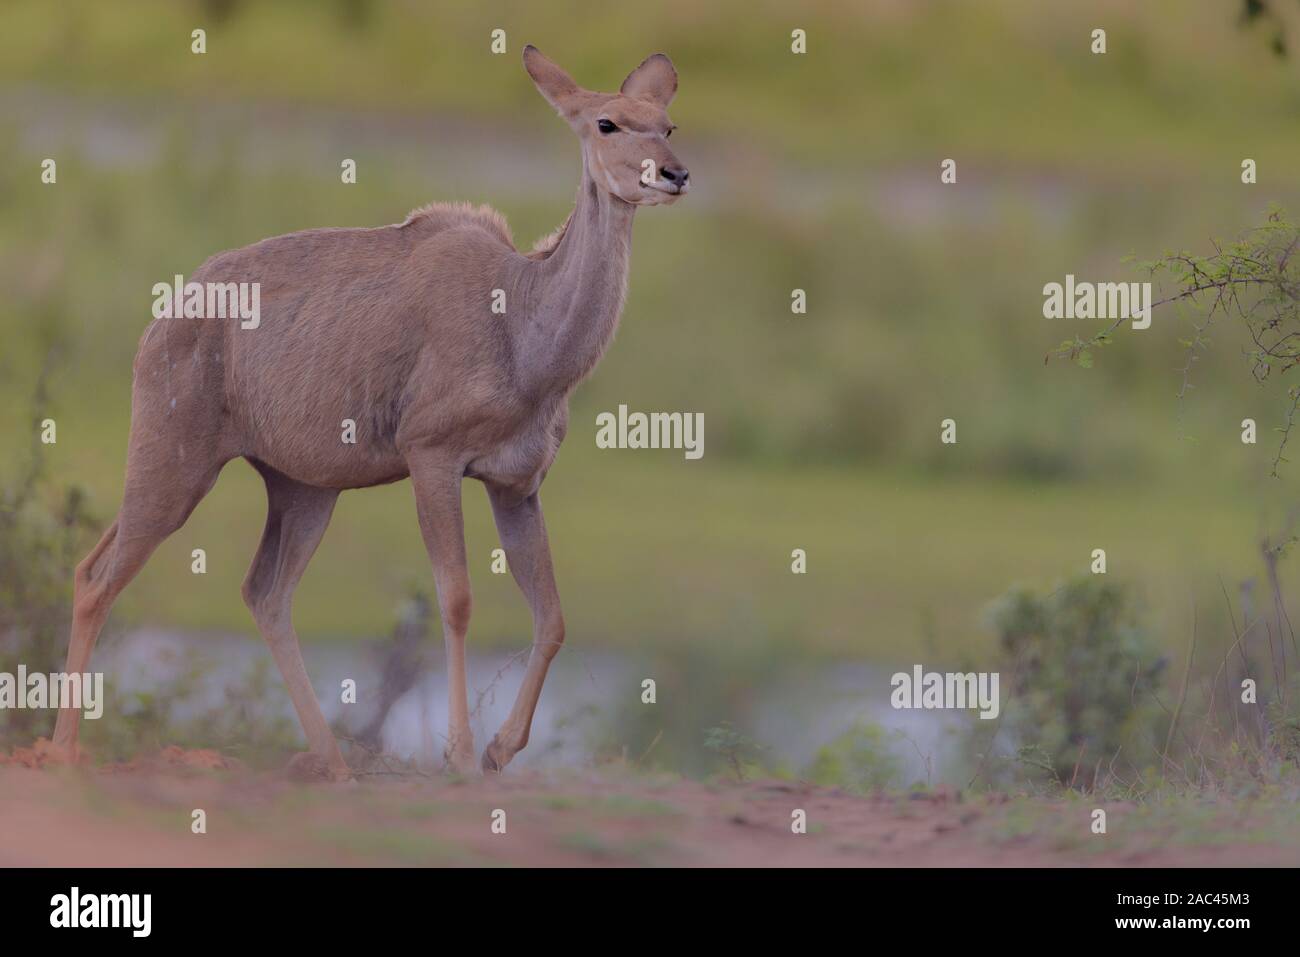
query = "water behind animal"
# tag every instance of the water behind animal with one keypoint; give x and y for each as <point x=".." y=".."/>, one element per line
<point x="791" y="713"/>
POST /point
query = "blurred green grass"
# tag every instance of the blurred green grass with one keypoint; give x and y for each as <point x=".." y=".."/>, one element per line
<point x="822" y="430"/>
<point x="883" y="80"/>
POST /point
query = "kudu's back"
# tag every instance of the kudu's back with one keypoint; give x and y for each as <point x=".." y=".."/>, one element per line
<point x="359" y="331"/>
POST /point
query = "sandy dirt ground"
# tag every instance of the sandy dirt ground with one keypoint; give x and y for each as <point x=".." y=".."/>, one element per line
<point x="141" y="814"/>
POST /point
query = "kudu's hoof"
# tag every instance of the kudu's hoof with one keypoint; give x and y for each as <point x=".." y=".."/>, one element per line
<point x="493" y="758"/>
<point x="46" y="753"/>
<point x="458" y="763"/>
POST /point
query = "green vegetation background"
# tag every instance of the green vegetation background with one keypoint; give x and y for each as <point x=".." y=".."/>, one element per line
<point x="816" y="171"/>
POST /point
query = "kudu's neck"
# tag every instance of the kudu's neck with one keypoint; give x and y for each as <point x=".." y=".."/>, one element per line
<point x="578" y="291"/>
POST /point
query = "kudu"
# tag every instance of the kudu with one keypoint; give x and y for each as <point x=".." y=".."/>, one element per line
<point x="394" y="328"/>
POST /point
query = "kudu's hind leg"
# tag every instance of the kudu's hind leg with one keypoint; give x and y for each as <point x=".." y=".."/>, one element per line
<point x="296" y="518"/>
<point x="523" y="535"/>
<point x="153" y="507"/>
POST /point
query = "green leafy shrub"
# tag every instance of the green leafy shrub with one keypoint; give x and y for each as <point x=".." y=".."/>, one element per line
<point x="1252" y="281"/>
<point x="859" y="760"/>
<point x="43" y="528"/>
<point x="1079" y="678"/>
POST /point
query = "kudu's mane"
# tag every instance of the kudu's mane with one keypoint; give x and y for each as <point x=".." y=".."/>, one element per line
<point x="440" y="216"/>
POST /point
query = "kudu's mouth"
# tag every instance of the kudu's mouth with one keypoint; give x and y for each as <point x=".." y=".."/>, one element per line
<point x="669" y="189"/>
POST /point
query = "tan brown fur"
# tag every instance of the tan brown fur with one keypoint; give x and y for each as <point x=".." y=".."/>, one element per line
<point x="392" y="328"/>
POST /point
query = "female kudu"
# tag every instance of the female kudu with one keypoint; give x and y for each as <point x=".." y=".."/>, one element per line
<point x="394" y="329"/>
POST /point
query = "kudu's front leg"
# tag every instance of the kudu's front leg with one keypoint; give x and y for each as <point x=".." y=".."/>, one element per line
<point x="437" y="497"/>
<point x="523" y="535"/>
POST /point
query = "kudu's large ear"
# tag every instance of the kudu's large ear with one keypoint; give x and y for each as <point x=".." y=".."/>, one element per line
<point x="654" y="80"/>
<point x="551" y="81"/>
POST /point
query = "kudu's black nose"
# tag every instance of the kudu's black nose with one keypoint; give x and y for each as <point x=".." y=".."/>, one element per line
<point x="675" y="174"/>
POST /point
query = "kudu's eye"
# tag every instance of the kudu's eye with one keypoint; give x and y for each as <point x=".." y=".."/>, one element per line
<point x="670" y="132"/>
<point x="605" y="126"/>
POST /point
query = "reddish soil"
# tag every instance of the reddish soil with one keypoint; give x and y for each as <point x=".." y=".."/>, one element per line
<point x="140" y="814"/>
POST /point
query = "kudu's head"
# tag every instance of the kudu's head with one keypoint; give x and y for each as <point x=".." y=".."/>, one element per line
<point x="624" y="135"/>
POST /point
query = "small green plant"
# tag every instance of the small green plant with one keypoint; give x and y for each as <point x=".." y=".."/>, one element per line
<point x="740" y="751"/>
<point x="1283" y="719"/>
<point x="859" y="760"/>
